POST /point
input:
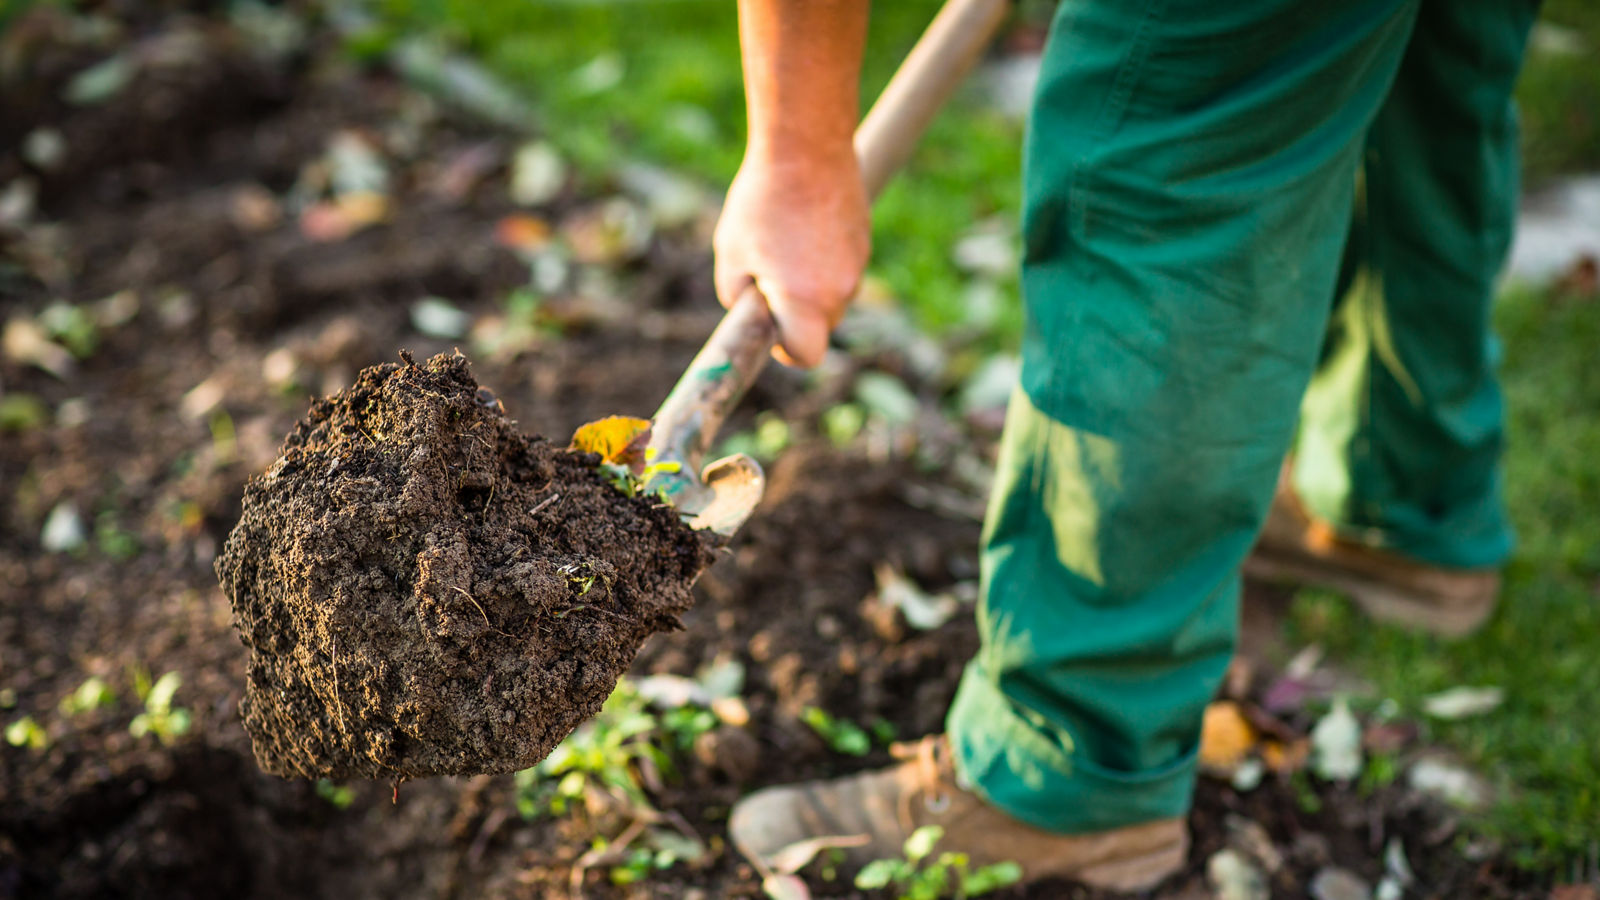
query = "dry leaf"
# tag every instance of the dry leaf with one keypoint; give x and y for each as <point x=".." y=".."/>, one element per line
<point x="522" y="233"/>
<point x="618" y="439"/>
<point x="1336" y="744"/>
<point x="1462" y="702"/>
<point x="1226" y="737"/>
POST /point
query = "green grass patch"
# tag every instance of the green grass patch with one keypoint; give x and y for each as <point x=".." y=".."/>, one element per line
<point x="661" y="82"/>
<point x="1542" y="746"/>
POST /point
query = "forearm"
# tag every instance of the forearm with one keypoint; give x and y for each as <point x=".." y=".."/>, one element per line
<point x="802" y="72"/>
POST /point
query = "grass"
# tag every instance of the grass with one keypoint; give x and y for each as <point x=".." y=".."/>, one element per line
<point x="1543" y="744"/>
<point x="660" y="81"/>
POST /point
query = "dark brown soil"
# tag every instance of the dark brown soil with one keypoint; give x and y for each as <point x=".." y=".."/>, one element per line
<point x="98" y="813"/>
<point x="427" y="591"/>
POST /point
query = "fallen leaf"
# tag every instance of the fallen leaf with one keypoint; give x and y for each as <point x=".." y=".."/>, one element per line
<point x="1286" y="757"/>
<point x="537" y="174"/>
<point x="1247" y="775"/>
<point x="437" y="317"/>
<point x="254" y="208"/>
<point x="1575" y="892"/>
<point x="1462" y="702"/>
<point x="1448" y="781"/>
<point x="1234" y="877"/>
<point x="355" y="166"/>
<point x="923" y="611"/>
<point x="1336" y="744"/>
<point x="461" y="81"/>
<point x="722" y="678"/>
<point x="785" y="887"/>
<point x="794" y="857"/>
<point x="26" y="342"/>
<point x="63" y="529"/>
<point x="616" y="438"/>
<point x="1334" y="883"/>
<point x="673" y="200"/>
<point x="100" y="82"/>
<point x="522" y="233"/>
<point x="1226" y="737"/>
<point x="1395" y="863"/>
<point x="612" y="232"/>
<point x="669" y="691"/>
<point x="886" y="397"/>
<point x="1248" y="836"/>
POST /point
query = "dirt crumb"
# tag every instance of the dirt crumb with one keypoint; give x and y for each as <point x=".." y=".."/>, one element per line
<point x="425" y="590"/>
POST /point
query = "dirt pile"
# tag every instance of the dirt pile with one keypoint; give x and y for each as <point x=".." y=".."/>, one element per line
<point x="425" y="590"/>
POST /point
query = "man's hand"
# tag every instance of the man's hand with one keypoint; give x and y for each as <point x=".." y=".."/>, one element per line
<point x="795" y="222"/>
<point x="800" y="231"/>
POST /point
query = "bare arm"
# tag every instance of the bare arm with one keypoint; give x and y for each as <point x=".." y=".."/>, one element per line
<point x="795" y="221"/>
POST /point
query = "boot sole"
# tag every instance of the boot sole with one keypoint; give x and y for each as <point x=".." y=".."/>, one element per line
<point x="1379" y="600"/>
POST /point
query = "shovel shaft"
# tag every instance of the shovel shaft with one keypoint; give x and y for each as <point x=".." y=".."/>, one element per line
<point x="738" y="349"/>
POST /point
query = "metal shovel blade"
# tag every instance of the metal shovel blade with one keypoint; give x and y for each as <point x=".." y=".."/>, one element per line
<point x="734" y="485"/>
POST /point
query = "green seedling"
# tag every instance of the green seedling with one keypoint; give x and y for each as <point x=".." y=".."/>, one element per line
<point x="112" y="539"/>
<point x="661" y="850"/>
<point x="25" y="732"/>
<point x="581" y="575"/>
<point x="682" y="725"/>
<point x="603" y="755"/>
<point x="918" y="875"/>
<point x="70" y="326"/>
<point x="93" y="694"/>
<point x="338" y="795"/>
<point x="160" y="717"/>
<point x="842" y="735"/>
<point x="623" y="479"/>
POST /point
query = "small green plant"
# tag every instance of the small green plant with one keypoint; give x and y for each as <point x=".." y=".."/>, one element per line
<point x="112" y="539"/>
<point x="340" y="796"/>
<point x="623" y="479"/>
<point x="26" y="732"/>
<point x="918" y="875"/>
<point x="603" y="754"/>
<point x="93" y="694"/>
<point x="160" y="717"/>
<point x="582" y="575"/>
<point x="842" y="735"/>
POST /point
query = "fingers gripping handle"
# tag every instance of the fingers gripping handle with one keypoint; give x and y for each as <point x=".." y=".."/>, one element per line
<point x="738" y="350"/>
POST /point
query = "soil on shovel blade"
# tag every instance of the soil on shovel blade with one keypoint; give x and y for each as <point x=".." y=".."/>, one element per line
<point x="424" y="590"/>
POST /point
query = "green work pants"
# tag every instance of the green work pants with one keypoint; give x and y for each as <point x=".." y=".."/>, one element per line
<point x="1192" y="173"/>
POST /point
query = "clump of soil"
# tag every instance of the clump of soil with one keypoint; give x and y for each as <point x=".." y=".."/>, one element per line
<point x="425" y="590"/>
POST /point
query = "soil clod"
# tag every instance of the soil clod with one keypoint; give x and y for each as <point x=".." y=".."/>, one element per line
<point x="424" y="590"/>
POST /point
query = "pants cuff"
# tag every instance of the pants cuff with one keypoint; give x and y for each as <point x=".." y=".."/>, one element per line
<point x="1032" y="772"/>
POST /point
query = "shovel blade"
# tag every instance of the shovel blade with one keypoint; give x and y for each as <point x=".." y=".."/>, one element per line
<point x="733" y="487"/>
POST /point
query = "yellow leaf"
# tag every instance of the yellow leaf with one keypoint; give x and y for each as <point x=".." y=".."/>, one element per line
<point x="618" y="439"/>
<point x="1226" y="737"/>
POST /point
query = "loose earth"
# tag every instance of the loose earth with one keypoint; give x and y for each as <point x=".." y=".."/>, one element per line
<point x="425" y="590"/>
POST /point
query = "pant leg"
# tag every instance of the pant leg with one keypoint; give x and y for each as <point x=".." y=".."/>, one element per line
<point x="1402" y="427"/>
<point x="1189" y="178"/>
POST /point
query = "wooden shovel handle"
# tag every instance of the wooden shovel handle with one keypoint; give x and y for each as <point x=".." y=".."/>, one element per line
<point x="738" y="349"/>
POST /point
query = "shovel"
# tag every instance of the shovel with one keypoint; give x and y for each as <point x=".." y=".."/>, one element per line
<point x="722" y="495"/>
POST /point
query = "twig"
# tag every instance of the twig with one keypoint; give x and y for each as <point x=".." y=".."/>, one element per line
<point x="338" y="699"/>
<point x="543" y="503"/>
<point x="481" y="612"/>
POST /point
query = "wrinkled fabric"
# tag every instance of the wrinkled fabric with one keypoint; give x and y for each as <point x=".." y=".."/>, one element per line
<point x="1190" y="183"/>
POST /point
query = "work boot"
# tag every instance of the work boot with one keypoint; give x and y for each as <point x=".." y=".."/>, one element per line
<point x="886" y="806"/>
<point x="1294" y="547"/>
